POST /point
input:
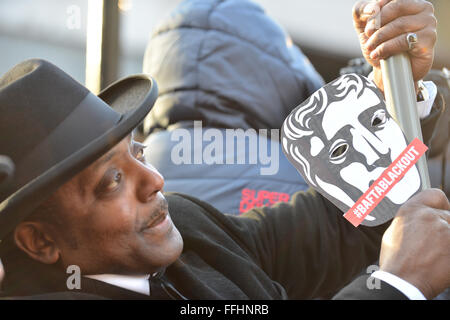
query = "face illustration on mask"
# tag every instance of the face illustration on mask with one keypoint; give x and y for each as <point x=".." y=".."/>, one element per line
<point x="342" y="139"/>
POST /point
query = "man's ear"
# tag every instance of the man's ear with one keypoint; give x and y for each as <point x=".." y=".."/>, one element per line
<point x="33" y="238"/>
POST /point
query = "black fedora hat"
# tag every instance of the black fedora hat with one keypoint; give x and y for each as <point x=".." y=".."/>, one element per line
<point x="52" y="127"/>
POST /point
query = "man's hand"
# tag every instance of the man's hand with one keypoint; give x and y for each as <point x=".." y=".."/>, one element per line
<point x="416" y="246"/>
<point x="382" y="27"/>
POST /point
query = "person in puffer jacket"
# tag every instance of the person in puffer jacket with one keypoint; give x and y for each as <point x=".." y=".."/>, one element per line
<point x="228" y="75"/>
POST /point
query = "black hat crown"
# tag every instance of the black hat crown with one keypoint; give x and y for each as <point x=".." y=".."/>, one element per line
<point x="36" y="100"/>
<point x="51" y="127"/>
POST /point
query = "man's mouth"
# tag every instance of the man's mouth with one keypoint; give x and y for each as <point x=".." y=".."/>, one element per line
<point x="157" y="220"/>
<point x="158" y="216"/>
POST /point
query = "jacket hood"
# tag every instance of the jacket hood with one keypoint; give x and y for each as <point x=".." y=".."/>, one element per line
<point x="227" y="64"/>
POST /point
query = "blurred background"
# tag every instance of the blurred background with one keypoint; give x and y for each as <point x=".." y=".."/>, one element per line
<point x="108" y="38"/>
<point x="58" y="30"/>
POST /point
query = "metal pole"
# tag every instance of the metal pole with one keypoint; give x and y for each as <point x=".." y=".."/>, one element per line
<point x="110" y="48"/>
<point x="102" y="44"/>
<point x="401" y="103"/>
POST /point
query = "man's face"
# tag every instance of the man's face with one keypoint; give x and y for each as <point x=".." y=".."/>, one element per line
<point x="116" y="219"/>
<point x="369" y="133"/>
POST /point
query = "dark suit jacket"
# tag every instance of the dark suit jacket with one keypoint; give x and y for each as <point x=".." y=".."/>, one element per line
<point x="300" y="250"/>
<point x="359" y="290"/>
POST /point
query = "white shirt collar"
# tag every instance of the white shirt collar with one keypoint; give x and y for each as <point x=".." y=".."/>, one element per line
<point x="139" y="284"/>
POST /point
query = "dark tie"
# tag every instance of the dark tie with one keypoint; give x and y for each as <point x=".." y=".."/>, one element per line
<point x="161" y="288"/>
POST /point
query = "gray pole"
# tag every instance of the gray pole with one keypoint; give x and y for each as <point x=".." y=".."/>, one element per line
<point x="110" y="50"/>
<point x="102" y="44"/>
<point x="401" y="103"/>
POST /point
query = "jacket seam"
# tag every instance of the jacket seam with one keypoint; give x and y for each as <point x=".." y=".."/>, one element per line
<point x="200" y="47"/>
<point x="248" y="41"/>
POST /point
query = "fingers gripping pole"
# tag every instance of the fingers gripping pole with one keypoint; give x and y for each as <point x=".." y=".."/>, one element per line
<point x="401" y="103"/>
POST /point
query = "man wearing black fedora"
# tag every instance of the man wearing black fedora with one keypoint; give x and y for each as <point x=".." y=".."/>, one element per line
<point x="83" y="198"/>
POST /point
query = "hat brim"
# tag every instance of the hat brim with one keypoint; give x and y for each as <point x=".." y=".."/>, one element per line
<point x="132" y="97"/>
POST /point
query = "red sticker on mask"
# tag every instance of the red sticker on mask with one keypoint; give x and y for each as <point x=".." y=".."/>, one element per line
<point x="387" y="180"/>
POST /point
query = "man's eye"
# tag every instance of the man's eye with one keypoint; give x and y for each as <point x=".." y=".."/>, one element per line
<point x="140" y="154"/>
<point x="109" y="183"/>
<point x="139" y="151"/>
<point x="379" y="118"/>
<point x="114" y="182"/>
<point x="339" y="151"/>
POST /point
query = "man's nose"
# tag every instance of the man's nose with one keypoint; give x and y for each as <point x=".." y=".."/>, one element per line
<point x="150" y="181"/>
<point x="369" y="145"/>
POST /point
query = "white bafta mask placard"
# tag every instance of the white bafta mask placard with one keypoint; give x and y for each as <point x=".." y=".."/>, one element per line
<point x="341" y="139"/>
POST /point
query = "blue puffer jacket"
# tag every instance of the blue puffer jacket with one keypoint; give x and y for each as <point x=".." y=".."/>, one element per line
<point x="226" y="64"/>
